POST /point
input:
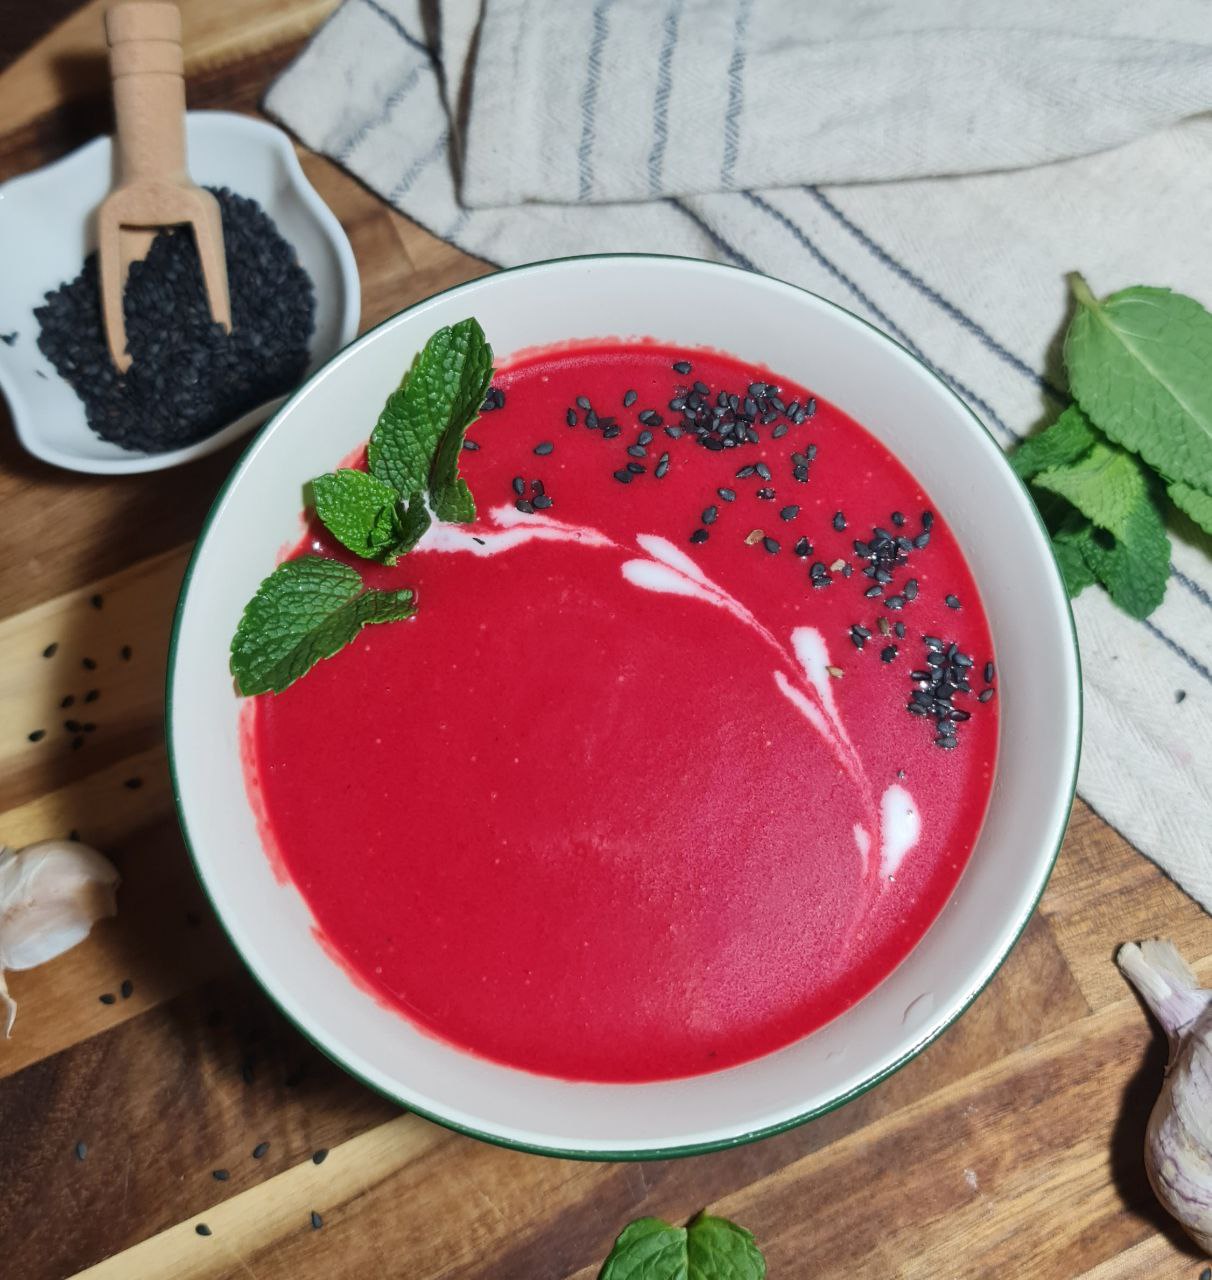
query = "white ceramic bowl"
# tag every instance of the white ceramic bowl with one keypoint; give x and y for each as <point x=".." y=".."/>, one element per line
<point x="844" y="359"/>
<point x="47" y="226"/>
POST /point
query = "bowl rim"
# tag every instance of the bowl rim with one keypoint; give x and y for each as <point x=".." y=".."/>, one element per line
<point x="981" y="980"/>
<point x="135" y="462"/>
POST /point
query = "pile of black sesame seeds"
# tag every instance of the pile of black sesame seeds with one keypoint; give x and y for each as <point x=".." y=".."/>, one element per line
<point x="188" y="378"/>
<point x="947" y="672"/>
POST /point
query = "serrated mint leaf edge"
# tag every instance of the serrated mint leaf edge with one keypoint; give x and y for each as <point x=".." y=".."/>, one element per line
<point x="359" y="510"/>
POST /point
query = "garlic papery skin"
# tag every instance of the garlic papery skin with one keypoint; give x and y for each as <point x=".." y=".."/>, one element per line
<point x="51" y="893"/>
<point x="1178" y="1141"/>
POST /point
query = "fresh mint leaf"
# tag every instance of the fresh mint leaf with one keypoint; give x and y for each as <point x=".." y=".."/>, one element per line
<point x="414" y="520"/>
<point x="1067" y="545"/>
<point x="1194" y="502"/>
<point x="1139" y="366"/>
<point x="360" y="512"/>
<point x="708" y="1249"/>
<point x="1134" y="574"/>
<point x="1111" y="487"/>
<point x="1063" y="442"/>
<point x="416" y="443"/>
<point x="306" y="610"/>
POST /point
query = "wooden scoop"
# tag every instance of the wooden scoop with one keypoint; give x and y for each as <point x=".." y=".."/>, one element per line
<point x="153" y="188"/>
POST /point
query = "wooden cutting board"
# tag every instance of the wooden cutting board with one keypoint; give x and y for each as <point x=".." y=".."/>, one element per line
<point x="1012" y="1147"/>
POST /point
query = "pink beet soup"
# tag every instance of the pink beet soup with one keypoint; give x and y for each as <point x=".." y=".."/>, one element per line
<point x="686" y="746"/>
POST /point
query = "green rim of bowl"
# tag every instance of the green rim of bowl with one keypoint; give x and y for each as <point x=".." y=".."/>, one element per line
<point x="646" y="1153"/>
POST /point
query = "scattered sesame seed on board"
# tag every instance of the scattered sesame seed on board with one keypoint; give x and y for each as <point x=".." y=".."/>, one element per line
<point x="259" y="1150"/>
<point x="319" y="1156"/>
<point x="316" y="1221"/>
<point x="220" y="1175"/>
<point x="202" y="1229"/>
<point x="81" y="1150"/>
<point x="51" y="649"/>
<point x="108" y="997"/>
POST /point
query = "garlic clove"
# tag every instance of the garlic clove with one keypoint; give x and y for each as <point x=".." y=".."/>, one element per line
<point x="51" y="893"/>
<point x="1178" y="1140"/>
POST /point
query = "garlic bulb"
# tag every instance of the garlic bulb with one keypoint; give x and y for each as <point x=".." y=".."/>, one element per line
<point x="50" y="895"/>
<point x="1178" y="1141"/>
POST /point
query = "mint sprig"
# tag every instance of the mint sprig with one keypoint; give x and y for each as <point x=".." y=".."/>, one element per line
<point x="1140" y="432"/>
<point x="310" y="608"/>
<point x="707" y="1249"/>
<point x="305" y="610"/>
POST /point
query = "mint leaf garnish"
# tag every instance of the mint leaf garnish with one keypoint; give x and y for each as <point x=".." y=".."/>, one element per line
<point x="416" y="443"/>
<point x="414" y="519"/>
<point x="1134" y="573"/>
<point x="1139" y="366"/>
<point x="1063" y="442"/>
<point x="708" y="1249"/>
<point x="360" y="512"/>
<point x="306" y="610"/>
<point x="1194" y="502"/>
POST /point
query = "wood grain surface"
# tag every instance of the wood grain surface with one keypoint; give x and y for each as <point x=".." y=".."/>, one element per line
<point x="1012" y="1147"/>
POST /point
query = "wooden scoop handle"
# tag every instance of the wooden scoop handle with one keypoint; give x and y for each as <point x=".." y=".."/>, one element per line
<point x="148" y="74"/>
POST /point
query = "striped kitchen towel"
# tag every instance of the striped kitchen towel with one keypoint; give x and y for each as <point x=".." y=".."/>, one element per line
<point x="935" y="168"/>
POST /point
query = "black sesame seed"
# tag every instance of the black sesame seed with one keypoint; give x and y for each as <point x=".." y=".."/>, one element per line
<point x="259" y="1150"/>
<point x="898" y="519"/>
<point x="220" y="1175"/>
<point x="318" y="1157"/>
<point x="728" y="495"/>
<point x="583" y="402"/>
<point x="989" y="672"/>
<point x="839" y="521"/>
<point x="202" y="1229"/>
<point x="763" y="470"/>
<point x="629" y="398"/>
<point x="637" y="451"/>
<point x="896" y="602"/>
<point x="674" y="433"/>
<point x="125" y="653"/>
<point x="922" y="540"/>
<point x="623" y="477"/>
<point x="803" y="547"/>
<point x="72" y="726"/>
<point x="952" y="602"/>
<point x="789" y="513"/>
<point x="316" y="1221"/>
<point x="51" y="650"/>
<point x="662" y="467"/>
<point x="681" y="366"/>
<point x="800" y="473"/>
<point x="36" y="735"/>
<point x="701" y="387"/>
<point x="745" y="472"/>
<point x="933" y="642"/>
<point x="81" y="1150"/>
<point x="650" y="418"/>
<point x="519" y="485"/>
<point x="677" y="404"/>
<point x="860" y="630"/>
<point x="636" y="468"/>
<point x="96" y="601"/>
<point x="645" y="437"/>
<point x="910" y="589"/>
<point x="591" y="420"/>
<point x="525" y="506"/>
<point x="857" y="640"/>
<point x="874" y="591"/>
<point x="609" y="433"/>
<point x="767" y="495"/>
<point x="771" y="545"/>
<point x="985" y="695"/>
<point x="541" y="502"/>
<point x="571" y="417"/>
<point x="899" y="628"/>
<point x="108" y="997"/>
<point x="699" y="535"/>
<point x="710" y="514"/>
<point x="779" y="432"/>
<point x="888" y="653"/>
<point x="88" y="664"/>
<point x="544" y="448"/>
<point x="927" y="519"/>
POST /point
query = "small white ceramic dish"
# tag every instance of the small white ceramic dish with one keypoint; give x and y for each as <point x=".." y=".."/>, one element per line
<point x="47" y="228"/>
<point x="812" y="342"/>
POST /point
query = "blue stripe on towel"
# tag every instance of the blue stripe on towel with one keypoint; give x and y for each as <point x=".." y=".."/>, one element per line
<point x="736" y="93"/>
<point x="589" y="99"/>
<point x="660" y="102"/>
